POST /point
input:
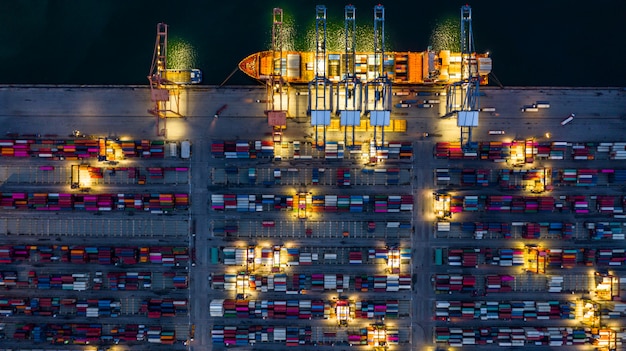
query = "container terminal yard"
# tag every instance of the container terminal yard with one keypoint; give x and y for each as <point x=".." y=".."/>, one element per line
<point x="311" y="216"/>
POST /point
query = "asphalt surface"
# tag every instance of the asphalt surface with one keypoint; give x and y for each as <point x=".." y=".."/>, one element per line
<point x="120" y="112"/>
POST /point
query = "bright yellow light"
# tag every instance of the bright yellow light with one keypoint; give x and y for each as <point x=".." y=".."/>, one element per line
<point x="241" y="243"/>
<point x="84" y="176"/>
<point x="442" y="205"/>
<point x="177" y="127"/>
<point x="393" y="260"/>
<point x="181" y="54"/>
<point x="342" y="311"/>
<point x="604" y="289"/>
<point x="243" y="282"/>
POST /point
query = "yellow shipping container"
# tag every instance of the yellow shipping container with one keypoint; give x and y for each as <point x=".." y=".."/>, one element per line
<point x="359" y="128"/>
<point x="363" y="127"/>
<point x="399" y="125"/>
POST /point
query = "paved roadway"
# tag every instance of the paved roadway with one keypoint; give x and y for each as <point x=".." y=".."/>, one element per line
<point x="121" y="112"/>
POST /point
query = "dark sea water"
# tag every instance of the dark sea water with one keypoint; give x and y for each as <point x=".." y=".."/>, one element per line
<point x="545" y="43"/>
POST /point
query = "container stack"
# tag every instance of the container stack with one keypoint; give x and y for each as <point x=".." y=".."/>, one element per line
<point x="448" y="283"/>
<point x="343" y="203"/>
<point x="558" y="149"/>
<point x="356" y="203"/>
<point x="616" y="176"/>
<point x="217" y="148"/>
<point x="393" y="283"/>
<point x="77" y="254"/>
<point x="579" y="204"/>
<point x="343" y="177"/>
<point x="267" y="148"/>
<point x="555" y="284"/>
<point x="498" y="283"/>
<point x="355" y="257"/>
<point x="582" y="152"/>
<point x="331" y="150"/>
<point x="605" y="230"/>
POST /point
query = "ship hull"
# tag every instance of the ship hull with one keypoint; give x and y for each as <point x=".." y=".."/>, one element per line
<point x="183" y="76"/>
<point x="413" y="68"/>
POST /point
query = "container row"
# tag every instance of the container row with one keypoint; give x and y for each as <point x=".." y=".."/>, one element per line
<point x="303" y="309"/>
<point x="97" y="281"/>
<point x="154" y="203"/>
<point x="314" y="203"/>
<point x="301" y="283"/>
<point x="169" y="256"/>
<point x="75" y="149"/>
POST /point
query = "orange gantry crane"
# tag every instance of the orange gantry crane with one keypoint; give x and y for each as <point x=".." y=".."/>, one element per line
<point x="164" y="94"/>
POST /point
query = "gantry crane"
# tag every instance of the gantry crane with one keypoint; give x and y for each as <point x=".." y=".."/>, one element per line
<point x="164" y="94"/>
<point x="320" y="88"/>
<point x="379" y="107"/>
<point x="276" y="98"/>
<point x="350" y="88"/>
<point x="467" y="89"/>
<point x="377" y="335"/>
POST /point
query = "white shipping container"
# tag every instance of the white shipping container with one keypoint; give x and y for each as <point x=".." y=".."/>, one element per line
<point x="173" y="149"/>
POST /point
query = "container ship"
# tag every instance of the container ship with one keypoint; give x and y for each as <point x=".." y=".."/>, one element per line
<point x="411" y="68"/>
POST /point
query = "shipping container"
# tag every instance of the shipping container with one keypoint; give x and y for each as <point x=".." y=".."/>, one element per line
<point x="185" y="149"/>
<point x="438" y="256"/>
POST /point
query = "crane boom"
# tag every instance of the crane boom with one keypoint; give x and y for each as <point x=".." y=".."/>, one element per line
<point x="159" y="58"/>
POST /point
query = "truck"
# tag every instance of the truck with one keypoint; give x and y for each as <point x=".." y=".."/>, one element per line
<point x="530" y="108"/>
<point x="568" y="119"/>
<point x="185" y="149"/>
<point x="220" y="110"/>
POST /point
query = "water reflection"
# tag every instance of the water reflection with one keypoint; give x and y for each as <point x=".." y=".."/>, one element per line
<point x="180" y="54"/>
<point x="446" y="35"/>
